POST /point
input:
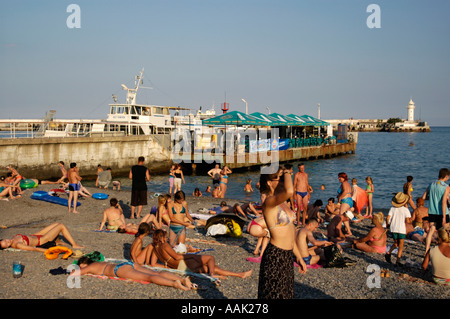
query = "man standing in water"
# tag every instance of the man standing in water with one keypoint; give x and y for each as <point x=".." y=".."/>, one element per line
<point x="301" y="192"/>
<point x="140" y="176"/>
<point x="215" y="175"/>
<point x="74" y="186"/>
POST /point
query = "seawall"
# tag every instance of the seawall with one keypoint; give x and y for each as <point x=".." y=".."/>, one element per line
<point x="39" y="157"/>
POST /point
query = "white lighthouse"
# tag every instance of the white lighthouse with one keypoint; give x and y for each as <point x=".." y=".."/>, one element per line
<point x="411" y="106"/>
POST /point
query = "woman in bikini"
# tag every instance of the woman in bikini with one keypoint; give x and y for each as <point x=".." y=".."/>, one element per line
<point x="223" y="184"/>
<point x="179" y="219"/>
<point x="32" y="242"/>
<point x="258" y="229"/>
<point x="133" y="271"/>
<point x="195" y="263"/>
<point x="276" y="276"/>
<point x="369" y="191"/>
<point x="344" y="193"/>
<point x="407" y="189"/>
<point x="375" y="240"/>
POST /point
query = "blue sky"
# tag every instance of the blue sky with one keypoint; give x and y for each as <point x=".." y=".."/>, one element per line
<point x="285" y="55"/>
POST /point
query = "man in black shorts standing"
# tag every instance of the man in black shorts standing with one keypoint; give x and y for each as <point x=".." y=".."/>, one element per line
<point x="140" y="176"/>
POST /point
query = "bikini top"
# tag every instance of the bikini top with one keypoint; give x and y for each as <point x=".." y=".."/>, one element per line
<point x="175" y="212"/>
<point x="282" y="219"/>
<point x="25" y="239"/>
<point x="177" y="175"/>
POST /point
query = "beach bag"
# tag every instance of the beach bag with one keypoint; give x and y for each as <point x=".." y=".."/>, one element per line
<point x="335" y="259"/>
<point x="233" y="229"/>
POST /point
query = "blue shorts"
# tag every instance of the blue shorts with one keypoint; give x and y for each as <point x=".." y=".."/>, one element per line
<point x="74" y="187"/>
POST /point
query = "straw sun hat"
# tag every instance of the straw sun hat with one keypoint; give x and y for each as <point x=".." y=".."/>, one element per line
<point x="400" y="199"/>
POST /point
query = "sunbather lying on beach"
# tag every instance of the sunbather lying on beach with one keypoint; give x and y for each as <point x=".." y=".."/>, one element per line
<point x="32" y="242"/>
<point x="134" y="271"/>
<point x="194" y="263"/>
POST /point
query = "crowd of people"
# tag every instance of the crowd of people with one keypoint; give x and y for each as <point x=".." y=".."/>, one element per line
<point x="285" y="224"/>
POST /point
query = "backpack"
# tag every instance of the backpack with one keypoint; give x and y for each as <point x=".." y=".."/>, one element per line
<point x="335" y="259"/>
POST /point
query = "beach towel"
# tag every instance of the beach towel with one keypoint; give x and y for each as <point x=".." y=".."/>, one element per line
<point x="361" y="199"/>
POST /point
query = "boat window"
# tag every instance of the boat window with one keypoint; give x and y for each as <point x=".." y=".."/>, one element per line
<point x="113" y="110"/>
<point x="157" y="110"/>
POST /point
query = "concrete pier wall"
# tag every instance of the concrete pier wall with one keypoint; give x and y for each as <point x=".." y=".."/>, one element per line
<point x="39" y="157"/>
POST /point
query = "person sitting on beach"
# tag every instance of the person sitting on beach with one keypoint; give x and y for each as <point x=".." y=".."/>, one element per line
<point x="16" y="177"/>
<point x="197" y="193"/>
<point x="420" y="213"/>
<point x="164" y="252"/>
<point x="180" y="219"/>
<point x="375" y="240"/>
<point x="258" y="228"/>
<point x="303" y="236"/>
<point x="162" y="215"/>
<point x="32" y="242"/>
<point x="334" y="228"/>
<point x="331" y="210"/>
<point x="113" y="216"/>
<point x="5" y="190"/>
<point x="116" y="185"/>
<point x="133" y="271"/>
<point x="104" y="178"/>
<point x="248" y="186"/>
<point x="139" y="254"/>
<point x="314" y="211"/>
<point x="16" y="190"/>
<point x="440" y="259"/>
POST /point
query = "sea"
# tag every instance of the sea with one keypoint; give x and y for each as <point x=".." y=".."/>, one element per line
<point x="387" y="157"/>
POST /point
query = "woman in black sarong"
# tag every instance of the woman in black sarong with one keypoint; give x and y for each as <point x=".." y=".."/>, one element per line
<point x="276" y="277"/>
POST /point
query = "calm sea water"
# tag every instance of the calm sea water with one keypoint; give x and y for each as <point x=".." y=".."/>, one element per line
<point x="387" y="157"/>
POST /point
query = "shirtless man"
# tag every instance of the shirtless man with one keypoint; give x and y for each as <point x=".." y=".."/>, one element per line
<point x="215" y="174"/>
<point x="301" y="189"/>
<point x="74" y="186"/>
<point x="63" y="172"/>
<point x="113" y="215"/>
<point x="311" y="255"/>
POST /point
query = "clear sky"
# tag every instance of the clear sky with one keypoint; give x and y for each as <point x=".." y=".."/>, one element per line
<point x="287" y="55"/>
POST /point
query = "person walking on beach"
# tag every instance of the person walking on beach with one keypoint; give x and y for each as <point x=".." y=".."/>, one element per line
<point x="438" y="193"/>
<point x="344" y="193"/>
<point x="171" y="178"/>
<point x="139" y="176"/>
<point x="74" y="187"/>
<point x="276" y="276"/>
<point x="301" y="189"/>
<point x="396" y="221"/>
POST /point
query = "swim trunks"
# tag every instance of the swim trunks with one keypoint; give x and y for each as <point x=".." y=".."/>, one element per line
<point x="74" y="187"/>
<point x="307" y="259"/>
<point x="302" y="194"/>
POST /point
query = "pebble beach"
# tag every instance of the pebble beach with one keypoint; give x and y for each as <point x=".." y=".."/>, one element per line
<point x="27" y="216"/>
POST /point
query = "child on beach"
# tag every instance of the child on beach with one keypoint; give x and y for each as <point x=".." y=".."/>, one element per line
<point x="369" y="191"/>
<point x="396" y="220"/>
<point x="197" y="193"/>
<point x="208" y="189"/>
